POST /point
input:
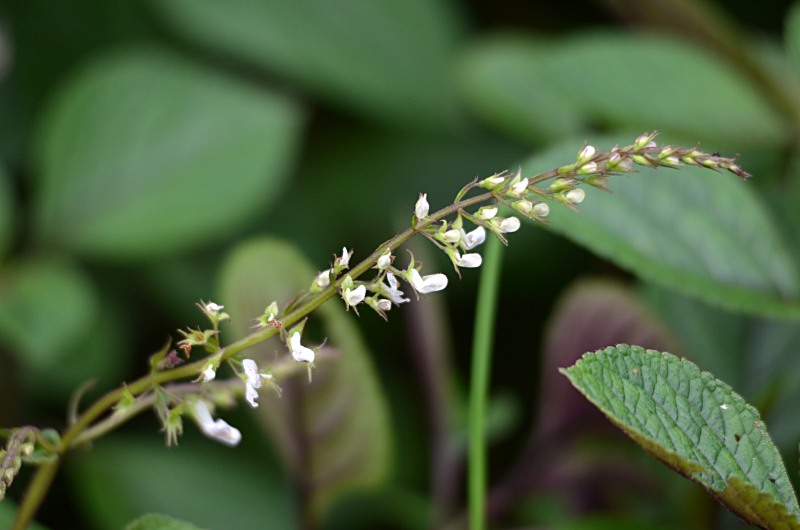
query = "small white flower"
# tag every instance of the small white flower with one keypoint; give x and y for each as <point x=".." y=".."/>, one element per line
<point x="354" y="296"/>
<point x="589" y="167"/>
<point x="213" y="308"/>
<point x="587" y="153"/>
<point x="524" y="206"/>
<point x="724" y="406"/>
<point x="217" y="430"/>
<point x="487" y="212"/>
<point x="384" y="304"/>
<point x="519" y="188"/>
<point x="422" y="206"/>
<point x="452" y="236"/>
<point x="392" y="291"/>
<point x="541" y="209"/>
<point x="344" y="260"/>
<point x="385" y="260"/>
<point x="253" y="381"/>
<point x="509" y="224"/>
<point x="323" y="279"/>
<point x="469" y="261"/>
<point x="576" y="196"/>
<point x="492" y="182"/>
<point x="672" y="160"/>
<point x="209" y="373"/>
<point x="473" y="239"/>
<point x="427" y="284"/>
<point x="300" y="353"/>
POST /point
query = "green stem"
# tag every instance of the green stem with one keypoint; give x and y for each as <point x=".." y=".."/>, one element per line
<point x="44" y="475"/>
<point x="479" y="384"/>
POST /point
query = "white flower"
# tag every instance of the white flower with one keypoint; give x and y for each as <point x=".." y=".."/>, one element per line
<point x="541" y="210"/>
<point x="323" y="279"/>
<point x="451" y="236"/>
<point x="385" y="260"/>
<point x="253" y="381"/>
<point x="492" y="182"/>
<point x="422" y="206"/>
<point x="384" y="305"/>
<point x="393" y="290"/>
<point x="589" y="167"/>
<point x="519" y="188"/>
<point x="354" y="296"/>
<point x="524" y="206"/>
<point x="473" y="239"/>
<point x="509" y="224"/>
<point x="209" y="373"/>
<point x="672" y="160"/>
<point x="300" y="353"/>
<point x="587" y="153"/>
<point x="217" y="430"/>
<point x="576" y="196"/>
<point x="344" y="260"/>
<point x="214" y="309"/>
<point x="429" y="283"/>
<point x="469" y="261"/>
<point x="487" y="212"/>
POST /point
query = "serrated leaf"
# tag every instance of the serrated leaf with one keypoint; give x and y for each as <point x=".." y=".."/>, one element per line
<point x="694" y="423"/>
<point x="340" y="418"/>
<point x="702" y="233"/>
<point x="634" y="81"/>
<point x="387" y="59"/>
<point x="143" y="154"/>
<point x="154" y="521"/>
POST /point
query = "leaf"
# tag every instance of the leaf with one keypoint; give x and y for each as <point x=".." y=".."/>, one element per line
<point x="694" y="423"/>
<point x="144" y="154"/>
<point x="639" y="82"/>
<point x="340" y="418"/>
<point x="702" y="233"/>
<point x="6" y="211"/>
<point x="152" y="521"/>
<point x="792" y="36"/>
<point x="8" y="512"/>
<point x="198" y="482"/>
<point x="390" y="60"/>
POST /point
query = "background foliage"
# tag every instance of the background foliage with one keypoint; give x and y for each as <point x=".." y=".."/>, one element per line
<point x="156" y="152"/>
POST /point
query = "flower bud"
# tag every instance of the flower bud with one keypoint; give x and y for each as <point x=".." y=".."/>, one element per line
<point x="422" y="206"/>
<point x="524" y="206"/>
<point x="586" y="154"/>
<point x="575" y="196"/>
<point x="492" y="182"/>
<point x="541" y="210"/>
<point x="487" y="212"/>
<point x="509" y="224"/>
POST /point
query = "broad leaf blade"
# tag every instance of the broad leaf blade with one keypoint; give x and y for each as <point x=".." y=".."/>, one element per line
<point x="144" y="153"/>
<point x="621" y="80"/>
<point x="703" y="233"/>
<point x="153" y="521"/>
<point x="334" y="430"/>
<point x="390" y="60"/>
<point x="694" y="423"/>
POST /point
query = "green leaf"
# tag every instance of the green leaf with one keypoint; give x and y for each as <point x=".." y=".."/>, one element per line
<point x="640" y="82"/>
<point x="153" y="521"/>
<point x="46" y="308"/>
<point x="8" y="511"/>
<point x="694" y="423"/>
<point x="391" y="60"/>
<point x="702" y="233"/>
<point x="792" y="36"/>
<point x="199" y="482"/>
<point x="143" y="154"/>
<point x="340" y="417"/>
<point x="6" y="211"/>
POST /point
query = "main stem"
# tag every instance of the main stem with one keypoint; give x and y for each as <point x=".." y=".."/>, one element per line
<point x="479" y="383"/>
<point x="44" y="475"/>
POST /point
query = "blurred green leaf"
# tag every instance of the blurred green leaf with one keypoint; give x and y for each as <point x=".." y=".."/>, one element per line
<point x="46" y="308"/>
<point x="8" y="511"/>
<point x="626" y="80"/>
<point x="391" y="60"/>
<point x="694" y="423"/>
<point x="501" y="80"/>
<point x="340" y="417"/>
<point x="6" y="211"/>
<point x="702" y="233"/>
<point x="152" y="521"/>
<point x="144" y="154"/>
<point x="201" y="482"/>
<point x="792" y="36"/>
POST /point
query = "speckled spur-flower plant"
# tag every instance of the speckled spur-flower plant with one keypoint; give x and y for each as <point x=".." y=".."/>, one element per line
<point x="493" y="204"/>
